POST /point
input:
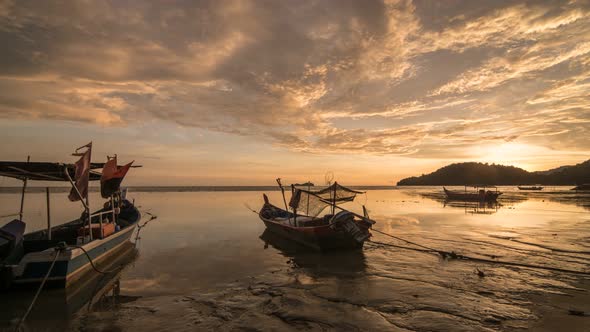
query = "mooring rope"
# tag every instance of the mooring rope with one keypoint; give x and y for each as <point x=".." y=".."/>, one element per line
<point x="454" y="255"/>
<point x="139" y="227"/>
<point x="250" y="209"/>
<point x="92" y="262"/>
<point x="22" y="320"/>
<point x="404" y="240"/>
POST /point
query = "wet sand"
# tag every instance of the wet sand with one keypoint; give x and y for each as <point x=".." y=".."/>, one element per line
<point x="293" y="305"/>
<point x="207" y="264"/>
<point x="569" y="311"/>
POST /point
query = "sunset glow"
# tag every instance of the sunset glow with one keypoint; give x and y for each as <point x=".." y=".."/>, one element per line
<point x="241" y="92"/>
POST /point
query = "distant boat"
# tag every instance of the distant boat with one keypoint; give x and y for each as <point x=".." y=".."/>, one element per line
<point x="536" y="187"/>
<point x="66" y="252"/>
<point x="333" y="231"/>
<point x="582" y="187"/>
<point x="480" y="195"/>
<point x="306" y="184"/>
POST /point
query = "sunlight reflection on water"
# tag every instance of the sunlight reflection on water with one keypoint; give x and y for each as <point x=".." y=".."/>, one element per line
<point x="204" y="257"/>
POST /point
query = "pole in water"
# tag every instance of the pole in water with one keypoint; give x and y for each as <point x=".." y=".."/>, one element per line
<point x="48" y="215"/>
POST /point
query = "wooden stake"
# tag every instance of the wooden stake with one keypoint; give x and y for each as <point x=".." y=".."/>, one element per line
<point x="48" y="215"/>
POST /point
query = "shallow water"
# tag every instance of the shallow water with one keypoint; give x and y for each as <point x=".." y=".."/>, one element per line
<point x="206" y="264"/>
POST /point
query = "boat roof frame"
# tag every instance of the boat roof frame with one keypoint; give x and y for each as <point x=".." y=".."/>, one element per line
<point x="44" y="171"/>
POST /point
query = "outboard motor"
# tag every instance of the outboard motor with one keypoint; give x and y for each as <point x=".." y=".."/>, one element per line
<point x="11" y="236"/>
<point x="345" y="221"/>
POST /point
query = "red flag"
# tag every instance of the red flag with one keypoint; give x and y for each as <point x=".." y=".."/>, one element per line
<point x="82" y="174"/>
<point x="112" y="176"/>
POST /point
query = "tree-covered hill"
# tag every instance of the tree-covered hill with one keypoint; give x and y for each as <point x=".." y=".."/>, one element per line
<point x="492" y="174"/>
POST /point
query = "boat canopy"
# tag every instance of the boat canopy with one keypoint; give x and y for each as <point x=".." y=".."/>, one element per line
<point x="314" y="202"/>
<point x="44" y="171"/>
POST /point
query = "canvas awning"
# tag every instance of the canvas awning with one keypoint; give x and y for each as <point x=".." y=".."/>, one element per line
<point x="44" y="171"/>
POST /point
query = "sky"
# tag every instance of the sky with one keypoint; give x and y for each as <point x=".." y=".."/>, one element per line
<point x="242" y="92"/>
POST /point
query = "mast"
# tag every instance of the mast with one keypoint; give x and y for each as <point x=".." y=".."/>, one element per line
<point x="284" y="200"/>
<point x="90" y="217"/>
<point x="294" y="209"/>
<point x="334" y="201"/>
<point x="48" y="215"/>
<point x="22" y="197"/>
<point x="308" y="189"/>
<point x="85" y="203"/>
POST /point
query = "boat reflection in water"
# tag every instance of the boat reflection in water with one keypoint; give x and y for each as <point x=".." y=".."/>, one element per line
<point x="332" y="263"/>
<point x="55" y="308"/>
<point x="470" y="207"/>
<point x="474" y="207"/>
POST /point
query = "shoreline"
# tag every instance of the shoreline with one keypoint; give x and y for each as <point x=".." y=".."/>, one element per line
<point x="12" y="190"/>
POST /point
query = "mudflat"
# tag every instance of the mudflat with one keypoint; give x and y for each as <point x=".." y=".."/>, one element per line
<point x="207" y="263"/>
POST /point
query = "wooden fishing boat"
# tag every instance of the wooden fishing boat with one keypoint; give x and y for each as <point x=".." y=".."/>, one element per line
<point x="530" y="188"/>
<point x="480" y="194"/>
<point x="64" y="253"/>
<point x="341" y="230"/>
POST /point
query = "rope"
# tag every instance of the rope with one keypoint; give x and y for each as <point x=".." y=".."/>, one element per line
<point x="401" y="247"/>
<point x="404" y="240"/>
<point x="92" y="263"/>
<point x="454" y="255"/>
<point x="58" y="249"/>
<point x="139" y="227"/>
<point x="22" y="320"/>
<point x="250" y="209"/>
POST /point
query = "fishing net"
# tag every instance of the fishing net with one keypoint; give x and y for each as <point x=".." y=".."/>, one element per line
<point x="312" y="203"/>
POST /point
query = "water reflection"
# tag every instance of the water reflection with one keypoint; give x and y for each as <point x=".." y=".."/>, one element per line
<point x="316" y="263"/>
<point x="511" y="195"/>
<point x="207" y="264"/>
<point x="56" y="308"/>
<point x="474" y="207"/>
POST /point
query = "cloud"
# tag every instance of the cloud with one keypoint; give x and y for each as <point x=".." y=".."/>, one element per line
<point x="377" y="77"/>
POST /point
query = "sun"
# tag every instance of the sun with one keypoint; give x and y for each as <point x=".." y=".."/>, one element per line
<point x="509" y="153"/>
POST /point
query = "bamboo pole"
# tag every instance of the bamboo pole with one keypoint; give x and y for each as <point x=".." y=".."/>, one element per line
<point x="48" y="214"/>
<point x="22" y="197"/>
<point x="308" y="189"/>
<point x="86" y="206"/>
<point x="294" y="209"/>
<point x="113" y="207"/>
<point x="284" y="199"/>
<point x="89" y="216"/>
<point x="334" y="203"/>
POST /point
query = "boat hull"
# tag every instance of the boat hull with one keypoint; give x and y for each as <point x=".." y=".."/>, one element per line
<point x="530" y="188"/>
<point x="72" y="263"/>
<point x="322" y="238"/>
<point x="471" y="197"/>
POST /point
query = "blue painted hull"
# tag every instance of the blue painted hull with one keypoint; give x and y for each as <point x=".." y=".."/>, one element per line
<point x="72" y="263"/>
